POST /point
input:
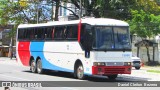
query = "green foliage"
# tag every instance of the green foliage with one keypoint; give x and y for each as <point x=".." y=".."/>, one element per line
<point x="143" y="24"/>
<point x="14" y="13"/>
<point x="119" y="9"/>
<point x="148" y="6"/>
<point x="141" y="14"/>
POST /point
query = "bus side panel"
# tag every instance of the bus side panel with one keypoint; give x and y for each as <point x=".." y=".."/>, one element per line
<point x="37" y="50"/>
<point x="63" y="55"/>
<point x="24" y="53"/>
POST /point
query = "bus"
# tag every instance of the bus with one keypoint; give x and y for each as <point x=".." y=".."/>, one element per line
<point x="86" y="47"/>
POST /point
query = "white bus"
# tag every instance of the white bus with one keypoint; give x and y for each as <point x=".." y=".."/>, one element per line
<point x="90" y="46"/>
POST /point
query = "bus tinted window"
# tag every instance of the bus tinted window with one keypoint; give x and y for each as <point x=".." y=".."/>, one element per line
<point x="49" y="33"/>
<point x="60" y="32"/>
<point x="23" y="34"/>
<point x="27" y="34"/>
<point x="72" y="32"/>
<point x="20" y="34"/>
<point x="39" y="33"/>
<point x="31" y="33"/>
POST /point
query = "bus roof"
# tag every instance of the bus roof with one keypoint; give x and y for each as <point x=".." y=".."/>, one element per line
<point x="91" y="21"/>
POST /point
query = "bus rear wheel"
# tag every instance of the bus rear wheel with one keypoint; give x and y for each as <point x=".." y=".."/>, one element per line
<point x="112" y="77"/>
<point x="80" y="72"/>
<point x="33" y="66"/>
<point x="39" y="67"/>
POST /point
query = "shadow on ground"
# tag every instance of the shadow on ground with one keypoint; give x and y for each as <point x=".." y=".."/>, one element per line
<point x="120" y="78"/>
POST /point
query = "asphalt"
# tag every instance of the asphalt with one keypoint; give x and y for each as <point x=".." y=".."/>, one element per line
<point x="21" y="74"/>
<point x="13" y="61"/>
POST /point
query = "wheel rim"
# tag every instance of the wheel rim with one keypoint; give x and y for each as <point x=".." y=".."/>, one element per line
<point x="33" y="66"/>
<point x="39" y="66"/>
<point x="80" y="72"/>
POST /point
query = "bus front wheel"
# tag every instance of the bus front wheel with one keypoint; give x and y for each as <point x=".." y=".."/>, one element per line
<point x="80" y="72"/>
<point x="39" y="67"/>
<point x="33" y="66"/>
<point x="112" y="77"/>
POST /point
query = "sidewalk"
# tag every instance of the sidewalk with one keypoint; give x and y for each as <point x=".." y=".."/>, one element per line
<point x="151" y="67"/>
<point x="7" y="60"/>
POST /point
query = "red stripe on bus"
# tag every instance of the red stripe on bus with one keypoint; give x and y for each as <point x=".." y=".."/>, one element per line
<point x="24" y="53"/>
<point x="79" y="30"/>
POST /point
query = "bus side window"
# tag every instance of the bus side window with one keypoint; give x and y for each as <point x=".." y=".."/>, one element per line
<point x="31" y="33"/>
<point x="45" y="33"/>
<point x="48" y="33"/>
<point x="75" y="32"/>
<point x="59" y="32"/>
<point x="39" y="33"/>
<point x="69" y="32"/>
<point x="82" y="35"/>
<point x="20" y="34"/>
<point x="56" y="35"/>
<point x="53" y="30"/>
<point x="72" y="32"/>
<point x="26" y="34"/>
<point x="86" y="39"/>
<point x="35" y="34"/>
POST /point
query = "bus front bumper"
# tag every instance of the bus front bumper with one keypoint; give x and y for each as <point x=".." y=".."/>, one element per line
<point x="111" y="70"/>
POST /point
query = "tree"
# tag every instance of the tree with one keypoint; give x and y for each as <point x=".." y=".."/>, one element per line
<point x="17" y="13"/>
<point x="144" y="25"/>
<point x="119" y="9"/>
<point x="22" y="12"/>
<point x="148" y="6"/>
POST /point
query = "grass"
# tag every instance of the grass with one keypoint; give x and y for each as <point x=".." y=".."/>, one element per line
<point x="154" y="71"/>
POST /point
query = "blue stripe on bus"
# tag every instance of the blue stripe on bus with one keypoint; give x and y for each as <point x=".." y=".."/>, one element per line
<point x="36" y="49"/>
<point x="89" y="74"/>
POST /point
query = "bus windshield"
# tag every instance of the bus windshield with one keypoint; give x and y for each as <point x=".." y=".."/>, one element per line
<point x="111" y="38"/>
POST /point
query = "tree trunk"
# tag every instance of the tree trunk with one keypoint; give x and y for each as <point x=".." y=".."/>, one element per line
<point x="137" y="51"/>
<point x="57" y="10"/>
<point x="153" y="53"/>
<point x="149" y="60"/>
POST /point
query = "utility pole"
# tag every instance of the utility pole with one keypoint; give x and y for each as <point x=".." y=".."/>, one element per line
<point x="80" y="13"/>
<point x="11" y="48"/>
<point x="37" y="12"/>
<point x="10" y="54"/>
<point x="52" y="11"/>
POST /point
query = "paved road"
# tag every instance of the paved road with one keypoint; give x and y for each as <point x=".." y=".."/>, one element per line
<point x="11" y="71"/>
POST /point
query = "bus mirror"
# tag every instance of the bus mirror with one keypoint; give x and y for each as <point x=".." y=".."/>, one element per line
<point x="87" y="54"/>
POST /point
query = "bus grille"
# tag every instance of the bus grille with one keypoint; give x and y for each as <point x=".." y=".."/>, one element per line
<point x="114" y="70"/>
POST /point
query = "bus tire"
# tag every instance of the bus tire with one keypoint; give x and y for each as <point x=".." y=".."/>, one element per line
<point x="112" y="77"/>
<point x="33" y="67"/>
<point x="39" y="66"/>
<point x="80" y="72"/>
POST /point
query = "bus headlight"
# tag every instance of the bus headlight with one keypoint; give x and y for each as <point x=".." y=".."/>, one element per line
<point x="99" y="63"/>
<point x="127" y="63"/>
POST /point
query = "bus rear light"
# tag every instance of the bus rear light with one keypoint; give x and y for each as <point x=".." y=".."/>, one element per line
<point x="99" y="63"/>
